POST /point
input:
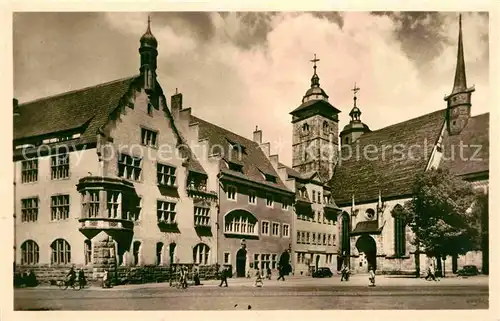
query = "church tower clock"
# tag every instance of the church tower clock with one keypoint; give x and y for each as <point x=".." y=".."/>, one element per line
<point x="315" y="131"/>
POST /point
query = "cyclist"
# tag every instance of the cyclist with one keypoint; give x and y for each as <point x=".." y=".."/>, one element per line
<point x="71" y="276"/>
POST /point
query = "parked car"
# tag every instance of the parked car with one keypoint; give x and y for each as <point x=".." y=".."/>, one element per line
<point x="322" y="272"/>
<point x="468" y="270"/>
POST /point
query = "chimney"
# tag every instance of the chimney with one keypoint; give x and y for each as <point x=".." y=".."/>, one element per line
<point x="176" y="103"/>
<point x="257" y="135"/>
<point x="15" y="107"/>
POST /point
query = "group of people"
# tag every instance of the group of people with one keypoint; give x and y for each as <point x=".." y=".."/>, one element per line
<point x="72" y="277"/>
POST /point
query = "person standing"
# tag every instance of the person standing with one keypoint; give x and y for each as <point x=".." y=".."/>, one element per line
<point x="258" y="280"/>
<point x="372" y="276"/>
<point x="223" y="276"/>
<point x="81" y="278"/>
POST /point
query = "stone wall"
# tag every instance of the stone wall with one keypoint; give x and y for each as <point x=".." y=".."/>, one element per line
<point x="47" y="275"/>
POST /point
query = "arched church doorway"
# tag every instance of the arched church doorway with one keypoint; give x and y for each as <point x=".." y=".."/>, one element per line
<point x="241" y="262"/>
<point x="366" y="244"/>
<point x="345" y="242"/>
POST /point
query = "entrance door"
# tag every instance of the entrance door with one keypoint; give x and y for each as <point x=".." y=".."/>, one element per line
<point x="241" y="262"/>
<point x="366" y="244"/>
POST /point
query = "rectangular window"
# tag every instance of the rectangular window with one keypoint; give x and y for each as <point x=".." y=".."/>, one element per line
<point x="256" y="261"/>
<point x="59" y="166"/>
<point x="319" y="218"/>
<point x="319" y="198"/>
<point x="165" y="175"/>
<point x="252" y="197"/>
<point x="227" y="258"/>
<point x="129" y="167"/>
<point x="304" y="238"/>
<point x="165" y="212"/>
<point x="93" y="208"/>
<point x="324" y="239"/>
<point x="113" y="204"/>
<point x="231" y="192"/>
<point x="266" y="261"/>
<point x="314" y="216"/>
<point x="298" y="237"/>
<point x="329" y="240"/>
<point x="269" y="200"/>
<point x="29" y="209"/>
<point x="274" y="261"/>
<point x="284" y="204"/>
<point x="148" y="137"/>
<point x="136" y="215"/>
<point x="88" y="252"/>
<point x="59" y="207"/>
<point x="308" y="239"/>
<point x="29" y="171"/>
<point x="201" y="216"/>
<point x="314" y="197"/>
<point x="314" y="238"/>
<point x="276" y="229"/>
<point x="286" y="230"/>
<point x="265" y="228"/>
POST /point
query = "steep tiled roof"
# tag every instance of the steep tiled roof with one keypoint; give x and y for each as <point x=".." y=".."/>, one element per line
<point x="290" y="171"/>
<point x="253" y="159"/>
<point x="475" y="139"/>
<point x="89" y="107"/>
<point x="70" y="110"/>
<point x="384" y="167"/>
<point x="315" y="103"/>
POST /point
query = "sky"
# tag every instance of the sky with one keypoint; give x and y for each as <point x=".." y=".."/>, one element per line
<point x="240" y="70"/>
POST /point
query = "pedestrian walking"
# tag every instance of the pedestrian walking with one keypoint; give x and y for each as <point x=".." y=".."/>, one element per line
<point x="345" y="273"/>
<point x="258" y="280"/>
<point x="268" y="275"/>
<point x="281" y="273"/>
<point x="431" y="273"/>
<point x="372" y="276"/>
<point x="223" y="276"/>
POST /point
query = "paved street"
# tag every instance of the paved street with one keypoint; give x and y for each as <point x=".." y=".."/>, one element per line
<point x="294" y="293"/>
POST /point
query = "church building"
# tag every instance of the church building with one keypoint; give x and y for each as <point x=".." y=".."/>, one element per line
<point x="369" y="191"/>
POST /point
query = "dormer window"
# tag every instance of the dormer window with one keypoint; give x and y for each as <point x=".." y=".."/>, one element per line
<point x="235" y="167"/>
<point x="235" y="146"/>
<point x="270" y="178"/>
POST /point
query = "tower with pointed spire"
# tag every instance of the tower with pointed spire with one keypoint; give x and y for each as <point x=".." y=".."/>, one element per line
<point x="459" y="101"/>
<point x="149" y="53"/>
<point x="315" y="131"/>
<point x="356" y="127"/>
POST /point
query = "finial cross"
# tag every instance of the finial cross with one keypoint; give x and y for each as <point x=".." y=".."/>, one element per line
<point x="314" y="61"/>
<point x="355" y="89"/>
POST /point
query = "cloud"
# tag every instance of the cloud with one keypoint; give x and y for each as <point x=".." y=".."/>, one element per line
<point x="244" y="69"/>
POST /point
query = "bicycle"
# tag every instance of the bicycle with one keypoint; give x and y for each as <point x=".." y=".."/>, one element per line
<point x="64" y="284"/>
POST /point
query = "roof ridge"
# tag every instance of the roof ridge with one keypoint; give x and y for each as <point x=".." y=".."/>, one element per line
<point x="397" y="124"/>
<point x="76" y="90"/>
<point x="224" y="129"/>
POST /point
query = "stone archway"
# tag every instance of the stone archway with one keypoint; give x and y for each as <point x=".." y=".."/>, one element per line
<point x="366" y="244"/>
<point x="241" y="262"/>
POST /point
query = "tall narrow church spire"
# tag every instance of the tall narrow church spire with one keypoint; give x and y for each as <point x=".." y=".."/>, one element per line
<point x="460" y="79"/>
<point x="459" y="101"/>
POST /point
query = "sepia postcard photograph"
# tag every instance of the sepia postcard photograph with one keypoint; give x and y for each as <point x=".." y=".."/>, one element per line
<point x="250" y="160"/>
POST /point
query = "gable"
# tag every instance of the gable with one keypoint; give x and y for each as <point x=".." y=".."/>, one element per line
<point x="254" y="164"/>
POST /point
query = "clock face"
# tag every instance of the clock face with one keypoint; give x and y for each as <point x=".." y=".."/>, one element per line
<point x="370" y="214"/>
